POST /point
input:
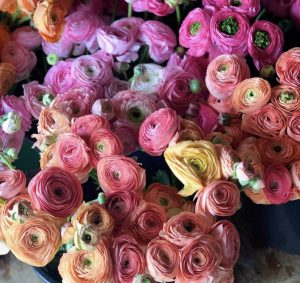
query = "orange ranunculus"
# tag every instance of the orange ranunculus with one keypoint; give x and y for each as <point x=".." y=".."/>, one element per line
<point x="49" y="18"/>
<point x="250" y="95"/>
<point x="8" y="6"/>
<point x="257" y="197"/>
<point x="4" y="35"/>
<point x="48" y="158"/>
<point x="27" y="6"/>
<point x="7" y="77"/>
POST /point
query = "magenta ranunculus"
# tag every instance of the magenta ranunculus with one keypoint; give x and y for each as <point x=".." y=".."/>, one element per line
<point x="157" y="131"/>
<point x="23" y="59"/>
<point x="194" y="32"/>
<point x="28" y="37"/>
<point x="278" y="184"/>
<point x="265" y="43"/>
<point x="160" y="38"/>
<point x="215" y="3"/>
<point x="133" y="24"/>
<point x="207" y="118"/>
<point x="229" y="32"/>
<point x="61" y="48"/>
<point x="295" y="13"/>
<point x="36" y="97"/>
<point x="249" y="8"/>
<point x="157" y="7"/>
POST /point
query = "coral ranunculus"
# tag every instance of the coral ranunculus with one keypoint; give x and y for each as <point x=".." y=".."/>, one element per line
<point x="12" y="182"/>
<point x="7" y="77"/>
<point x="293" y="129"/>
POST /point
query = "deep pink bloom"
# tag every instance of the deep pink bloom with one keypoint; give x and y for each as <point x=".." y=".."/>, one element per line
<point x="28" y="37"/>
<point x="207" y="119"/>
<point x="295" y="13"/>
<point x="157" y="7"/>
<point x="249" y="8"/>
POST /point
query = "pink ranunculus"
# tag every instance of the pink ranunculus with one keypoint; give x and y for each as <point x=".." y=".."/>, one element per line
<point x="281" y="9"/>
<point x="194" y="32"/>
<point x="224" y="73"/>
<point x="85" y="125"/>
<point x="295" y="174"/>
<point x="104" y="108"/>
<point x="198" y="258"/>
<point x="278" y="184"/>
<point x="120" y="206"/>
<point x="129" y="259"/>
<point x="59" y="77"/>
<point x="221" y="105"/>
<point x="104" y="56"/>
<point x="90" y="71"/>
<point x="55" y="191"/>
<point x="12" y="183"/>
<point x="207" y="118"/>
<point x="114" y="87"/>
<point x="147" y="221"/>
<point x="119" y="173"/>
<point x="176" y="91"/>
<point x="265" y="43"/>
<point x="295" y="13"/>
<point x="61" y="48"/>
<point x="219" y="198"/>
<point x="250" y="8"/>
<point x="93" y="6"/>
<point x="128" y="135"/>
<point x="133" y="24"/>
<point x="229" y="31"/>
<point x="118" y="41"/>
<point x="157" y="131"/>
<point x="185" y="227"/>
<point x="160" y="39"/>
<point x="159" y="8"/>
<point x="293" y="129"/>
<point x="28" y="37"/>
<point x="36" y="97"/>
<point x="216" y="3"/>
<point x="162" y="260"/>
<point x="23" y="59"/>
<point x="227" y="236"/>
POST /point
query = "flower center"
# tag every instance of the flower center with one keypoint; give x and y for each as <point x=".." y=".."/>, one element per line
<point x="188" y="226"/>
<point x="286" y="97"/>
<point x="235" y="3"/>
<point x="136" y="115"/>
<point x="195" y="28"/>
<point x="100" y="147"/>
<point x="277" y="148"/>
<point x="229" y="26"/>
<point x="34" y="238"/>
<point x="87" y="262"/>
<point x="262" y="39"/>
<point x="164" y="201"/>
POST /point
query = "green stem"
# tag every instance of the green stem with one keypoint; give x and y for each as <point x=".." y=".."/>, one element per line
<point x="114" y="12"/>
<point x="129" y="10"/>
<point x="178" y="15"/>
<point x="144" y="55"/>
<point x="262" y="13"/>
<point x="125" y="75"/>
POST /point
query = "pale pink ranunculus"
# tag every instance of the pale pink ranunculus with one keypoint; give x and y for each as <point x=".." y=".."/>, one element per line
<point x="160" y="38"/>
<point x="129" y="259"/>
<point x="158" y="130"/>
<point x="133" y="24"/>
<point x="227" y="236"/>
<point x="104" y="108"/>
<point x="23" y="59"/>
<point x="147" y="221"/>
<point x="36" y="97"/>
<point x="207" y="118"/>
<point x="185" y="227"/>
<point x="12" y="183"/>
<point x="278" y="184"/>
<point x="59" y="78"/>
<point x="295" y="174"/>
<point x="114" y="87"/>
<point x="295" y="13"/>
<point x="219" y="198"/>
<point x="194" y="32"/>
<point x="162" y="260"/>
<point x="265" y="43"/>
<point x="224" y="73"/>
<point x="61" y="48"/>
<point x="250" y="8"/>
<point x="281" y="9"/>
<point x="28" y="37"/>
<point x="229" y="31"/>
<point x="119" y="42"/>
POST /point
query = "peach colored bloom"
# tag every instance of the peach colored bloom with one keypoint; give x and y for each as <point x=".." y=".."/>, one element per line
<point x="293" y="129"/>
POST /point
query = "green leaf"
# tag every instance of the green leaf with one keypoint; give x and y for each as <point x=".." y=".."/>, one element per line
<point x="162" y="177"/>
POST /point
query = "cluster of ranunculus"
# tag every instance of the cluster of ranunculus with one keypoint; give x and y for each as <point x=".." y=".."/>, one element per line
<point x="224" y="27"/>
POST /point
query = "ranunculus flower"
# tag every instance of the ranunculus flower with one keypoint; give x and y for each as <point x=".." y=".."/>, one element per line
<point x="11" y="123"/>
<point x="7" y="77"/>
<point x="24" y="60"/>
<point x="188" y="131"/>
<point x="48" y="157"/>
<point x="295" y="13"/>
<point x="221" y="105"/>
<point x="295" y="174"/>
<point x="224" y="73"/>
<point x="162" y="260"/>
<point x="195" y="164"/>
<point x="61" y="48"/>
<point x="147" y="221"/>
<point x="36" y="241"/>
<point x="199" y="258"/>
<point x="258" y="197"/>
<point x="132" y="23"/>
<point x="163" y="195"/>
<point x="84" y="126"/>
<point x="220" y="198"/>
<point x="288" y="67"/>
<point x="55" y="191"/>
<point x="37" y="97"/>
<point x="184" y="228"/>
<point x="286" y="99"/>
<point x="293" y="129"/>
<point x="8" y="6"/>
<point x="228" y="237"/>
<point x="278" y="150"/>
<point x="219" y="138"/>
<point x="118" y="173"/>
<point x="73" y="155"/>
<point x="278" y="184"/>
<point x="249" y="8"/>
<point x="248" y="150"/>
<point x="128" y="258"/>
<point x="88" y="266"/>
<point x="160" y="39"/>
<point x="133" y="106"/>
<point x="194" y="32"/>
<point x="207" y="118"/>
<point x="12" y="182"/>
<point x="114" y="87"/>
<point x="217" y="4"/>
<point x="251" y="95"/>
<point x="104" y="108"/>
<point x="103" y="142"/>
<point x="27" y="6"/>
<point x="157" y="131"/>
<point x="5" y="35"/>
<point x="265" y="43"/>
<point x="176" y="90"/>
<point x="229" y="32"/>
<point x="268" y="121"/>
<point x="59" y="77"/>
<point x="120" y="205"/>
<point x="158" y="8"/>
<point x="282" y="7"/>
<point x="28" y="37"/>
<point x="91" y="71"/>
<point x="49" y="18"/>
